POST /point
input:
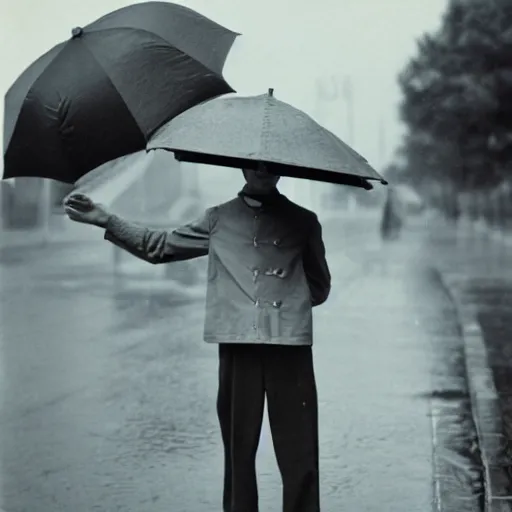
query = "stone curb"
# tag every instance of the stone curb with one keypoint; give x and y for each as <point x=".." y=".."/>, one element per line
<point x="483" y="397"/>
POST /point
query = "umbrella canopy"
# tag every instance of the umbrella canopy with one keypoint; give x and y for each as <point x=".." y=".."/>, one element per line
<point x="102" y="93"/>
<point x="242" y="131"/>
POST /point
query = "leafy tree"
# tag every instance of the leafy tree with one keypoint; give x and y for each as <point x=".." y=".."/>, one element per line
<point x="457" y="101"/>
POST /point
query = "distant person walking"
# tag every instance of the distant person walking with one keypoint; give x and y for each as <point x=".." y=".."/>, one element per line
<point x="392" y="217"/>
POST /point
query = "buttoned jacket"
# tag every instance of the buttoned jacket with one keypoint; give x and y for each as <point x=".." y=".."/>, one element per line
<point x="266" y="267"/>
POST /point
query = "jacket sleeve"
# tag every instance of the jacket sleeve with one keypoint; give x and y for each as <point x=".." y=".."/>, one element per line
<point x="161" y="246"/>
<point x="315" y="265"/>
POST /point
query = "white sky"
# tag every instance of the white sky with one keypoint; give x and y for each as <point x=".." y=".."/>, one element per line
<point x="285" y="44"/>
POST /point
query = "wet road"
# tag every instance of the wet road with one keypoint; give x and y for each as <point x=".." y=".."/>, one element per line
<point x="108" y="399"/>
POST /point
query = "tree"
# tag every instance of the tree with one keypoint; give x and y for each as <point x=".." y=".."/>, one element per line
<point x="457" y="98"/>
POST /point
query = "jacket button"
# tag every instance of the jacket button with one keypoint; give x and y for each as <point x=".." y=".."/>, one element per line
<point x="277" y="242"/>
<point x="257" y="303"/>
<point x="255" y="242"/>
<point x="277" y="303"/>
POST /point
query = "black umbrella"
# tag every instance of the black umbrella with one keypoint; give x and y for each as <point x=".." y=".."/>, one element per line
<point x="101" y="94"/>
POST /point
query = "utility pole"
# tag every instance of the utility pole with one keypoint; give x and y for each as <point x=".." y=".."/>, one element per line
<point x="328" y="92"/>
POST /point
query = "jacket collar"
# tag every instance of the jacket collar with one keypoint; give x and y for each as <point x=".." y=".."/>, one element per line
<point x="273" y="198"/>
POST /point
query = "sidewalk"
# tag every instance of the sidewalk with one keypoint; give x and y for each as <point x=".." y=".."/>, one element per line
<point x="476" y="272"/>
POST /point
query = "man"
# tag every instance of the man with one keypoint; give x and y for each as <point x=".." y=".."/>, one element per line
<point x="266" y="270"/>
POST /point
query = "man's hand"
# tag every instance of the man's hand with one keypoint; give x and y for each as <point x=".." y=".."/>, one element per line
<point x="81" y="208"/>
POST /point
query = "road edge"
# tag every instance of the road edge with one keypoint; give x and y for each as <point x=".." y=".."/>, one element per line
<point x="483" y="394"/>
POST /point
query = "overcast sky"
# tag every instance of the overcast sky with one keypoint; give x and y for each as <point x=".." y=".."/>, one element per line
<point x="286" y="44"/>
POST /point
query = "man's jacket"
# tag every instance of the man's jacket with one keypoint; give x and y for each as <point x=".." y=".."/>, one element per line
<point x="266" y="267"/>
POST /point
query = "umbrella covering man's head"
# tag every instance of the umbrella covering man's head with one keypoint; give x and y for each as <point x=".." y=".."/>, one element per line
<point x="260" y="180"/>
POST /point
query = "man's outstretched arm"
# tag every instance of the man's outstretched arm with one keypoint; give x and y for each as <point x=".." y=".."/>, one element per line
<point x="315" y="265"/>
<point x="156" y="246"/>
<point x="161" y="246"/>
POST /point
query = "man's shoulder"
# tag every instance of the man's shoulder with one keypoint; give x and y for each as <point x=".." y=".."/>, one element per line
<point x="222" y="209"/>
<point x="297" y="209"/>
<point x="226" y="205"/>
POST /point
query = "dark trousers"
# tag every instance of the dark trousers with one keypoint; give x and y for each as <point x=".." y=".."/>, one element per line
<point x="284" y="374"/>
